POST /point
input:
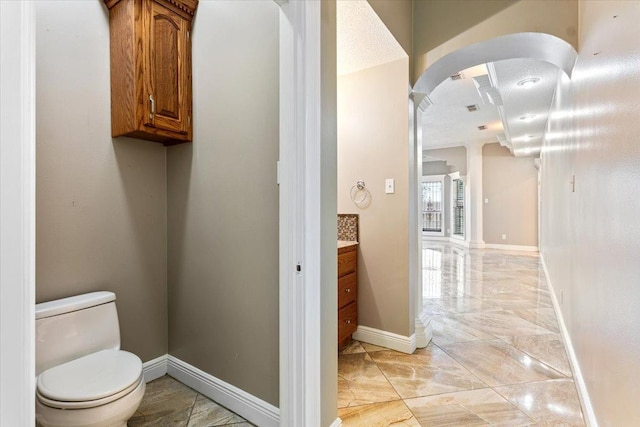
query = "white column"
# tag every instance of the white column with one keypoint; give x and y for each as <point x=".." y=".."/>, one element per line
<point x="423" y="331"/>
<point x="474" y="195"/>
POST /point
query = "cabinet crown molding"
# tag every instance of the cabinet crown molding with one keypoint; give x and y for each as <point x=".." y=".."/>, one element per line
<point x="186" y="8"/>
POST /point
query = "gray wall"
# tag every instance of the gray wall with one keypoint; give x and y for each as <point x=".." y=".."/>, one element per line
<point x="444" y="26"/>
<point x="436" y="21"/>
<point x="101" y="202"/>
<point x="511" y="185"/>
<point x="590" y="236"/>
<point x="397" y="16"/>
<point x="372" y="146"/>
<point x="223" y="201"/>
<point x="456" y="158"/>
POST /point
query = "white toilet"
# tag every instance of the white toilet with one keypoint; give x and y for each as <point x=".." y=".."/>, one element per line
<point x="84" y="379"/>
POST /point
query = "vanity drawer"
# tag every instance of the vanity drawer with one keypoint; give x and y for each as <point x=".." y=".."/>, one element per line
<point x="347" y="289"/>
<point x="347" y="262"/>
<point x="347" y="322"/>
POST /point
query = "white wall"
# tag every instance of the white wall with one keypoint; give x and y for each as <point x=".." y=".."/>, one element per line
<point x="590" y="237"/>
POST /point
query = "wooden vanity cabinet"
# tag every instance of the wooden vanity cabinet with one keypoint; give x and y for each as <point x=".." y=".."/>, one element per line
<point x="151" y="69"/>
<point x="347" y="293"/>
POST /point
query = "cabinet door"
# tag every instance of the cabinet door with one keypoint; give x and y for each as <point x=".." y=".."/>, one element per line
<point x="167" y="80"/>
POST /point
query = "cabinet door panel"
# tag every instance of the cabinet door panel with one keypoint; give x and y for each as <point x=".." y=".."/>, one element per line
<point x="165" y="66"/>
<point x="167" y="80"/>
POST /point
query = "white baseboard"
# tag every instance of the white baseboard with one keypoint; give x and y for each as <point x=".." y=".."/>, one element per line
<point x="587" y="408"/>
<point x="386" y="339"/>
<point x="336" y="423"/>
<point x="154" y="369"/>
<point x="511" y="247"/>
<point x="239" y="401"/>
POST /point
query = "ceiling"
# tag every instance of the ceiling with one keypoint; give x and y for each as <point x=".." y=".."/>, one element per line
<point x="363" y="41"/>
<point x="514" y="114"/>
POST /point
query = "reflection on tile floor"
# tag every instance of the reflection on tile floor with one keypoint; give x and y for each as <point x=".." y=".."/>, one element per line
<point x="496" y="357"/>
<point x="170" y="403"/>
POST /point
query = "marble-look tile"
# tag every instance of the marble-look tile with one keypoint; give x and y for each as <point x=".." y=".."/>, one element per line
<point x="352" y="347"/>
<point x="370" y="348"/>
<point x="206" y="413"/>
<point x="361" y="382"/>
<point x="466" y="304"/>
<point x="518" y="300"/>
<point x="447" y="329"/>
<point x="166" y="402"/>
<point x="497" y="363"/>
<point x="428" y="371"/>
<point x="549" y="349"/>
<point x="432" y="307"/>
<point x="544" y="317"/>
<point x="501" y="324"/>
<point x="553" y="402"/>
<point x="483" y="406"/>
<point x="384" y="414"/>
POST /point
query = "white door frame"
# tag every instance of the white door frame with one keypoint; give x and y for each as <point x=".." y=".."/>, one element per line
<point x="17" y="213"/>
<point x="300" y="232"/>
<point x="300" y="214"/>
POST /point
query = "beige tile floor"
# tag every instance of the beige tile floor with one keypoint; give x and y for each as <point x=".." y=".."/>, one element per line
<point x="496" y="357"/>
<point x="169" y="403"/>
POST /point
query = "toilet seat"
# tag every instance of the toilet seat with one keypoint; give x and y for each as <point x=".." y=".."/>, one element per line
<point x="89" y="381"/>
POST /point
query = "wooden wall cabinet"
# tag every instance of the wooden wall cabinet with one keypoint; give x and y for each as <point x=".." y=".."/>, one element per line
<point x="347" y="293"/>
<point x="151" y="69"/>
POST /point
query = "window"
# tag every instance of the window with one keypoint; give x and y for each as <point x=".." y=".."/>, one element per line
<point x="432" y="206"/>
<point x="458" y="207"/>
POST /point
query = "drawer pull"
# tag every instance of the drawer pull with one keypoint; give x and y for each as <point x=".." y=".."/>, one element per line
<point x="347" y="290"/>
<point x="348" y="321"/>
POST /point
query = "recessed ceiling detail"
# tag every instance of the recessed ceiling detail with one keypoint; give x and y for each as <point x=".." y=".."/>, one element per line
<point x="509" y="115"/>
<point x="457" y="76"/>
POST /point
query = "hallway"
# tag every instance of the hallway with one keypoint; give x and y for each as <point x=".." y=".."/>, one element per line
<point x="496" y="358"/>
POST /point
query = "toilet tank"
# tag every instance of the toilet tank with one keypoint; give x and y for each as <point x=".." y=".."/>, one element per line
<point x="72" y="327"/>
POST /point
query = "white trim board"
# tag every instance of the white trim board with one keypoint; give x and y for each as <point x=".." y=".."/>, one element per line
<point x="239" y="401"/>
<point x="336" y="423"/>
<point x="155" y="368"/>
<point x="386" y="339"/>
<point x="583" y="394"/>
<point x="511" y="247"/>
<point x="17" y="213"/>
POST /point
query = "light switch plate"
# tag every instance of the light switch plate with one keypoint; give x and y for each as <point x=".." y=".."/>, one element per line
<point x="389" y="186"/>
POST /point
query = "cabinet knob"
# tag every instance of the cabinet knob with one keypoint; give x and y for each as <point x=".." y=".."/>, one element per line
<point x="347" y="290"/>
<point x="348" y="321"/>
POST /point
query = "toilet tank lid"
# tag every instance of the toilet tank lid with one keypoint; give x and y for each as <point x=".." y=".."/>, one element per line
<point x="75" y="303"/>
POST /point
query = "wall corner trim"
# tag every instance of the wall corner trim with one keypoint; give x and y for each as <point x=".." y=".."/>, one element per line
<point x="239" y="401"/>
<point x="336" y="423"/>
<point x="423" y="331"/>
<point x="155" y="368"/>
<point x="587" y="408"/>
<point x="386" y="339"/>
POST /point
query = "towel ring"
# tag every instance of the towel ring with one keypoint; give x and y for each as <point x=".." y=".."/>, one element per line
<point x="359" y="187"/>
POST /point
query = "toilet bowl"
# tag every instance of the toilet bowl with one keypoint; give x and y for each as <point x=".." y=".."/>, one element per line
<point x="84" y="379"/>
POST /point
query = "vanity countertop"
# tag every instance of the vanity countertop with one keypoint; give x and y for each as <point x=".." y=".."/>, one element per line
<point x="345" y="245"/>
